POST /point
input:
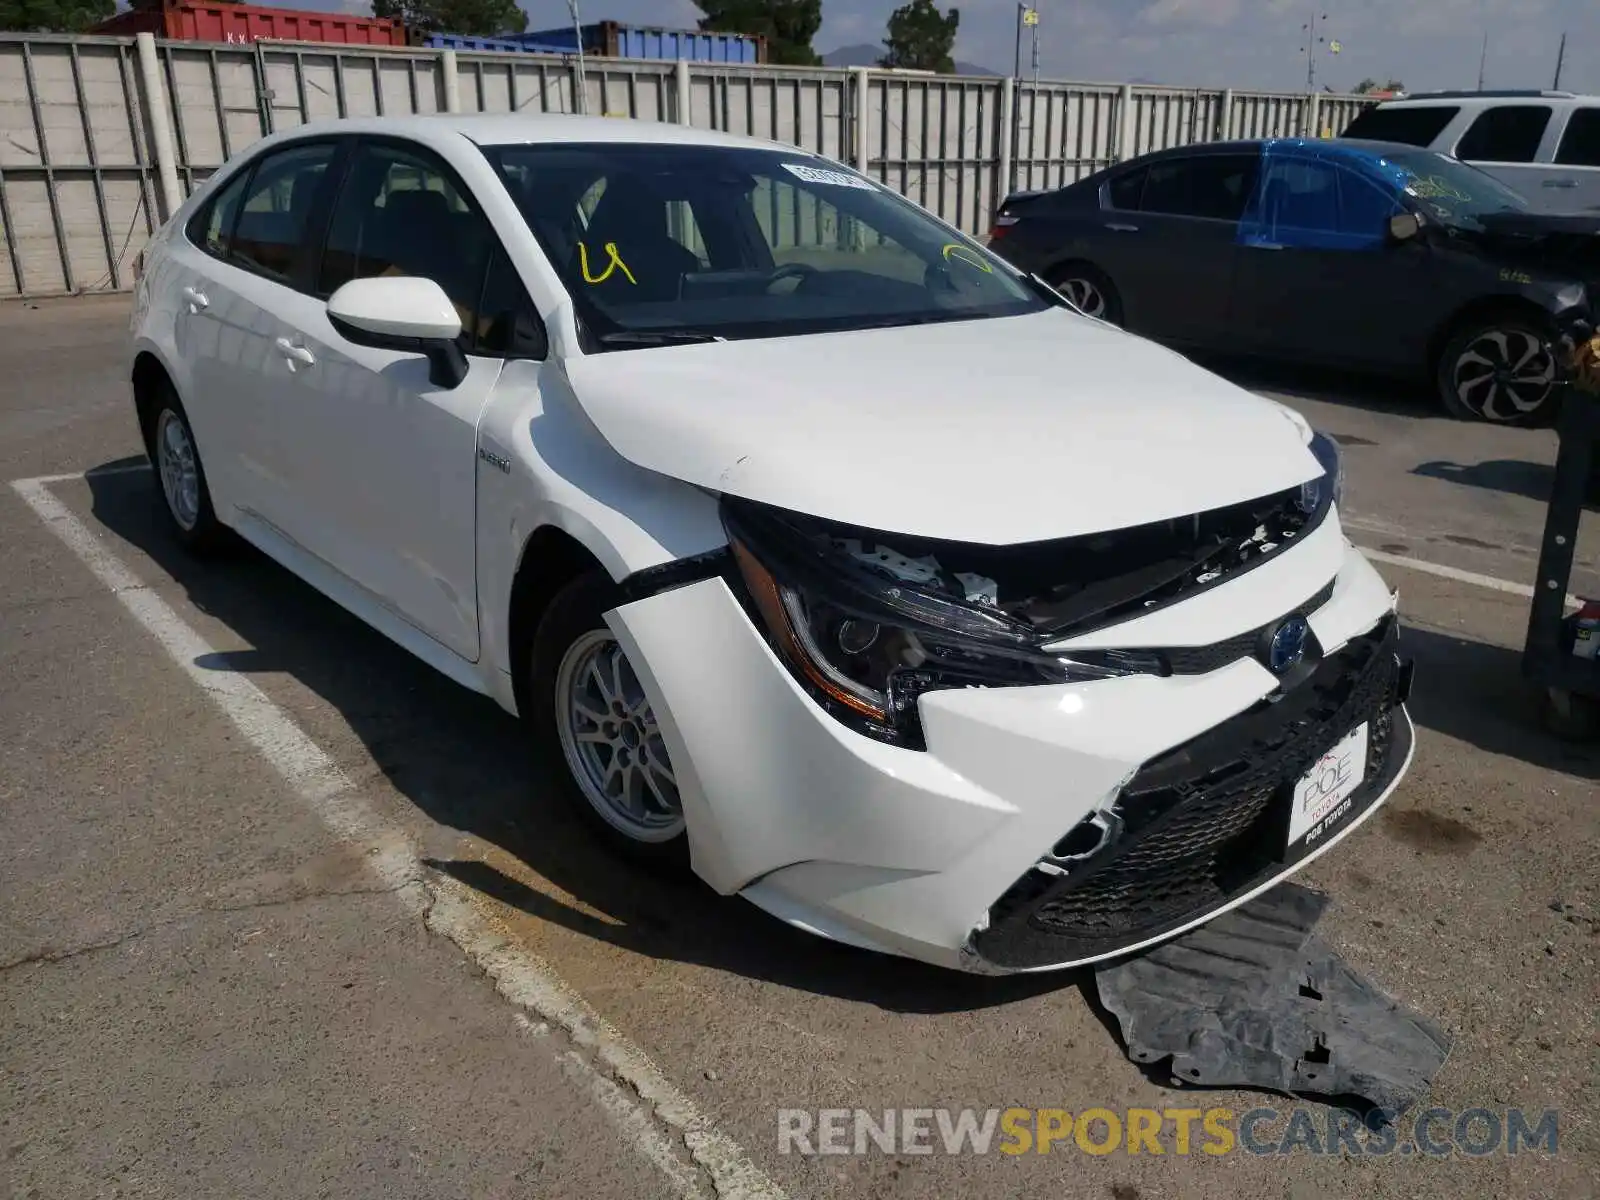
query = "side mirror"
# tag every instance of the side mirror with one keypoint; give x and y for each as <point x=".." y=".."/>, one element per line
<point x="1404" y="226"/>
<point x="402" y="313"/>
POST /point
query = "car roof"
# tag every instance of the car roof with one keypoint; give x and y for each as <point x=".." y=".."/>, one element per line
<point x="1425" y="99"/>
<point x="1350" y="148"/>
<point x="512" y="129"/>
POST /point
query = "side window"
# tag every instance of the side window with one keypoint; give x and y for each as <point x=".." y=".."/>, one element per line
<point x="1127" y="190"/>
<point x="211" y="227"/>
<point x="1415" y="125"/>
<point x="1215" y="186"/>
<point x="1316" y="205"/>
<point x="1300" y="196"/>
<point x="1364" y="209"/>
<point x="1506" y="133"/>
<point x="1580" y="144"/>
<point x="507" y="323"/>
<point x="400" y="212"/>
<point x="276" y="205"/>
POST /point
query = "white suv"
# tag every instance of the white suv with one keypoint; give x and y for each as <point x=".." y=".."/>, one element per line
<point x="1546" y="145"/>
<point x="816" y="545"/>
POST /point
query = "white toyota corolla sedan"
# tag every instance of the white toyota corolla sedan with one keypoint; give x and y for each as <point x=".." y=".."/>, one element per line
<point x="819" y="548"/>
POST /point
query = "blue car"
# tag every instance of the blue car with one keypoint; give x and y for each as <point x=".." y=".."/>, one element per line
<point x="1367" y="255"/>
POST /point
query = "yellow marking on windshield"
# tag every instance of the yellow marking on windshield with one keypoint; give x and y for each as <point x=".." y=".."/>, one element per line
<point x="1436" y="187"/>
<point x="616" y="264"/>
<point x="955" y="250"/>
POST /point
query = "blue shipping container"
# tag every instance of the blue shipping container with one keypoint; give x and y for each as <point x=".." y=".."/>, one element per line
<point x="468" y="41"/>
<point x="611" y="39"/>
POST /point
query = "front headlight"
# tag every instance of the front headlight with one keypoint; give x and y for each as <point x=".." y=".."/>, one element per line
<point x="1328" y="488"/>
<point x="866" y="644"/>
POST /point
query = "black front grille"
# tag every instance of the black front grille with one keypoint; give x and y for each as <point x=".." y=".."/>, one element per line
<point x="1204" y="822"/>
<point x="1197" y="660"/>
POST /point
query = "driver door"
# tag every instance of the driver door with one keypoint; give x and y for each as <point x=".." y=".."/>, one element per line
<point x="386" y="477"/>
<point x="1318" y="279"/>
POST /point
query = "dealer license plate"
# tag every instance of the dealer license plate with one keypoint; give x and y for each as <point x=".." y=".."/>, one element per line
<point x="1323" y="797"/>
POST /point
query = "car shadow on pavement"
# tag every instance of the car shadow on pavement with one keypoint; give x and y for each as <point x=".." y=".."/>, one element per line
<point x="1475" y="692"/>
<point x="466" y="764"/>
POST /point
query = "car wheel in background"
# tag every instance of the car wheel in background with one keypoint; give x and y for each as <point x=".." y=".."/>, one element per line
<point x="1501" y="370"/>
<point x="185" y="496"/>
<point x="1090" y="291"/>
<point x="591" y="716"/>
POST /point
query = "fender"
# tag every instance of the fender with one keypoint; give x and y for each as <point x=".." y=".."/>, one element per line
<point x="561" y="473"/>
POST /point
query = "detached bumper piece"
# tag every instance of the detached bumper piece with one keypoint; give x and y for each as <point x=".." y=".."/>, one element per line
<point x="1256" y="999"/>
<point x="1206" y="822"/>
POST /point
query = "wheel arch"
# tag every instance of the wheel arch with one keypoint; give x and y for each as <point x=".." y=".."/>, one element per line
<point x="148" y="376"/>
<point x="1484" y="308"/>
<point x="550" y="559"/>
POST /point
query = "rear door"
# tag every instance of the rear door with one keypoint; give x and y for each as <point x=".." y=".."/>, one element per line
<point x="1318" y="278"/>
<point x="237" y="270"/>
<point x="1171" y="243"/>
<point x="1514" y="143"/>
<point x="1575" y="173"/>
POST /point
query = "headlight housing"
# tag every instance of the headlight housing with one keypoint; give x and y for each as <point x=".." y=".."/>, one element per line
<point x="1328" y="488"/>
<point x="866" y="644"/>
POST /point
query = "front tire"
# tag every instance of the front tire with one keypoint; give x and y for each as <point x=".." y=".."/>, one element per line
<point x="1501" y="370"/>
<point x="186" y="498"/>
<point x="595" y="726"/>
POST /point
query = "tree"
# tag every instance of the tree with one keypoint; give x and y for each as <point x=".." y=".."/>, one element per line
<point x="53" y="16"/>
<point x="482" y="17"/>
<point x="920" y="38"/>
<point x="1372" y="85"/>
<point x="788" y="25"/>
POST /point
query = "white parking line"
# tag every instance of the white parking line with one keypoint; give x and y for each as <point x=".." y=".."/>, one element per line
<point x="605" y="1058"/>
<point x="1488" y="582"/>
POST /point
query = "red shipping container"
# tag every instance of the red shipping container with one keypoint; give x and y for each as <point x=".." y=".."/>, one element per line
<point x="192" y="21"/>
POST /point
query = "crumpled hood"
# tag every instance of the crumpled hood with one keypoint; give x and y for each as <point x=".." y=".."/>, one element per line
<point x="1565" y="243"/>
<point x="993" y="431"/>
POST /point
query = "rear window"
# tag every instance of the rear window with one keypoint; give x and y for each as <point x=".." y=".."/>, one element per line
<point x="1507" y="133"/>
<point x="1415" y="126"/>
<point x="1215" y="186"/>
<point x="1580" y="145"/>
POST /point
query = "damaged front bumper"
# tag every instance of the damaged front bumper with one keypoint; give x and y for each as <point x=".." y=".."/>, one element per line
<point x="962" y="854"/>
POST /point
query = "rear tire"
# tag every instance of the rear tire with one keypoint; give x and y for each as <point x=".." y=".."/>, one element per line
<point x="1090" y="290"/>
<point x="1501" y="370"/>
<point x="185" y="496"/>
<point x="596" y="730"/>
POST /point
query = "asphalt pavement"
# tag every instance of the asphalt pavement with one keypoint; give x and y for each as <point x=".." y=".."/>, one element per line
<point x="284" y="913"/>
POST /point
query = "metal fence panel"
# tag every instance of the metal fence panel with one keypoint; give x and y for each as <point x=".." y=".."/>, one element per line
<point x="78" y="182"/>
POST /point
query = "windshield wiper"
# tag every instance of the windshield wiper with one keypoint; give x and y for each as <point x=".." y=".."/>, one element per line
<point x="656" y="337"/>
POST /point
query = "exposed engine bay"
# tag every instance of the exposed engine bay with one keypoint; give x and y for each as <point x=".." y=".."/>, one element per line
<point x="1062" y="587"/>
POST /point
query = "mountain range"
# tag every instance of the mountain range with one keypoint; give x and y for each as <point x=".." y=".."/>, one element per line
<point x="865" y="54"/>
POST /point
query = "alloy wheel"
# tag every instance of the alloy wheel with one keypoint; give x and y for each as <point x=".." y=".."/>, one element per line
<point x="612" y="741"/>
<point x="1085" y="296"/>
<point x="179" y="468"/>
<point x="1504" y="374"/>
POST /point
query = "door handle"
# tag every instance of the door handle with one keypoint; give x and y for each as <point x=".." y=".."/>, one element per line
<point x="1560" y="183"/>
<point x="196" y="299"/>
<point x="1119" y="228"/>
<point x="295" y="354"/>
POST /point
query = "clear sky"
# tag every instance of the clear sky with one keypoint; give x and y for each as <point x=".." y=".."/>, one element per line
<point x="1219" y="43"/>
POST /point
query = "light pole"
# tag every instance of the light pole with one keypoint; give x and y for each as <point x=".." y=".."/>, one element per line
<point x="1027" y="17"/>
<point x="1313" y="40"/>
<point x="581" y="85"/>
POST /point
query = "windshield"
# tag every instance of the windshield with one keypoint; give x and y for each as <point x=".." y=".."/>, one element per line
<point x="660" y="243"/>
<point x="1451" y="190"/>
